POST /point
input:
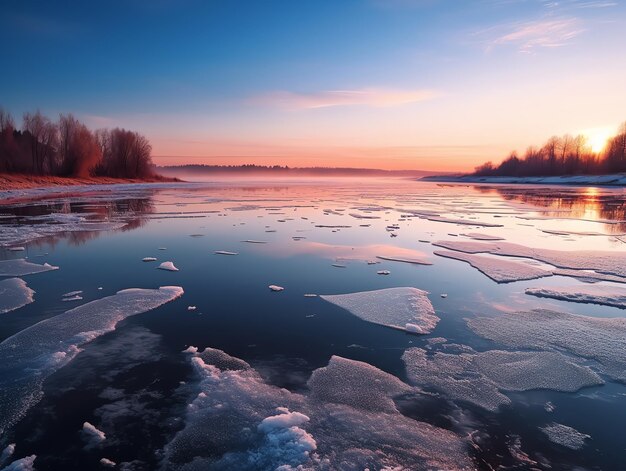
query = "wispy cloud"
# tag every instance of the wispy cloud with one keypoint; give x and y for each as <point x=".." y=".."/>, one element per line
<point x="375" y="97"/>
<point x="530" y="36"/>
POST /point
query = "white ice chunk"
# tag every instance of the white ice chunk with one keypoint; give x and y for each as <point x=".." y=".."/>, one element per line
<point x="276" y="288"/>
<point x="21" y="267"/>
<point x="416" y="261"/>
<point x="169" y="266"/>
<point x="481" y="236"/>
<point x="465" y="222"/>
<point x="607" y="295"/>
<point x="72" y="298"/>
<point x="14" y="293"/>
<point x="383" y="272"/>
<point x="149" y="259"/>
<point x="72" y="293"/>
<point x="499" y="270"/>
<point x="23" y="464"/>
<point x="7" y="452"/>
<point x="224" y="252"/>
<point x="392" y="307"/>
<point x="33" y="354"/>
<point x="564" y="435"/>
<point x="357" y="384"/>
<point x="17" y="249"/>
<point x="107" y="463"/>
<point x="92" y="435"/>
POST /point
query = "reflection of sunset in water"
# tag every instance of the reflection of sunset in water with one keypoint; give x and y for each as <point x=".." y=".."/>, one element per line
<point x="590" y="203"/>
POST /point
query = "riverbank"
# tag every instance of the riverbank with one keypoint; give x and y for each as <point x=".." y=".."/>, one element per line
<point x="618" y="179"/>
<point x="10" y="181"/>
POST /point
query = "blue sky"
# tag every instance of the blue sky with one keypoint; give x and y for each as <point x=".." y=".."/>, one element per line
<point x="387" y="83"/>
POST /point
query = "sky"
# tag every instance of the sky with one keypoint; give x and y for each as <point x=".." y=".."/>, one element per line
<point x="393" y="84"/>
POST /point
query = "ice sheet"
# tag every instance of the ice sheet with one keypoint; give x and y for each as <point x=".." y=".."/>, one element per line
<point x="607" y="295"/>
<point x="613" y="262"/>
<point x="33" y="354"/>
<point x="347" y="416"/>
<point x="481" y="377"/>
<point x="599" y="339"/>
<point x="566" y="436"/>
<point x="14" y="293"/>
<point x="21" y="267"/>
<point x="499" y="270"/>
<point x="392" y="307"/>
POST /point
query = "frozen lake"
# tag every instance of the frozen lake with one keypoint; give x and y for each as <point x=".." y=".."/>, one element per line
<point x="313" y="324"/>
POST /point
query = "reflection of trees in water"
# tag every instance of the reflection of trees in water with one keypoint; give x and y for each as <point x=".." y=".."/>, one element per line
<point x="129" y="211"/>
<point x="575" y="203"/>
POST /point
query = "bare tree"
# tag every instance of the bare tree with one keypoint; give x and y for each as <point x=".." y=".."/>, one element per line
<point x="43" y="139"/>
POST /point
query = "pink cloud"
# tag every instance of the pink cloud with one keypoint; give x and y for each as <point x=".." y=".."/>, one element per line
<point x="375" y="97"/>
<point x="528" y="36"/>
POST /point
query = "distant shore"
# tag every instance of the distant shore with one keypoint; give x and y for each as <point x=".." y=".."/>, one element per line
<point x="10" y="181"/>
<point x="617" y="180"/>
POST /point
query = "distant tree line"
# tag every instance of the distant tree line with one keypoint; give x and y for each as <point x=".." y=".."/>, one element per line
<point x="68" y="148"/>
<point x="566" y="155"/>
<point x="283" y="169"/>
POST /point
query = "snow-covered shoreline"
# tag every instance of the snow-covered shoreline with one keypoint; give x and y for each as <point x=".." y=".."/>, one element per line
<point x="618" y="179"/>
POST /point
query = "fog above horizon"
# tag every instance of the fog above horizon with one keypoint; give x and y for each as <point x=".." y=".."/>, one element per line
<point x="390" y="84"/>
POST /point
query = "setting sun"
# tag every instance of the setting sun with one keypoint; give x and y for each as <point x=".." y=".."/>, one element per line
<point x="598" y="137"/>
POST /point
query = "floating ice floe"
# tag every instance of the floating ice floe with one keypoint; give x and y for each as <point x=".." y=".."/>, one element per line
<point x="7" y="453"/>
<point x="92" y="435"/>
<point x="31" y="228"/>
<point x="72" y="298"/>
<point x="481" y="236"/>
<point x="599" y="339"/>
<point x="499" y="270"/>
<point x="565" y="436"/>
<point x="23" y="464"/>
<point x="310" y="295"/>
<point x="608" y="262"/>
<point x="107" y="463"/>
<point x="593" y="294"/>
<point x="17" y="249"/>
<point x="465" y="222"/>
<point x="33" y="354"/>
<point x="275" y="288"/>
<point x="149" y="259"/>
<point x="383" y="272"/>
<point x="224" y="252"/>
<point x="347" y="417"/>
<point x="363" y="216"/>
<point x="21" y="267"/>
<point x="480" y="377"/>
<point x="167" y="266"/>
<point x="14" y="294"/>
<point x="191" y="308"/>
<point x="588" y="276"/>
<point x="401" y="308"/>
<point x="416" y="261"/>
